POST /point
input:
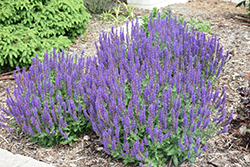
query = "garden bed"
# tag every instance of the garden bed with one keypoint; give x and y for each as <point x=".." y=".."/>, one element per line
<point x="223" y="149"/>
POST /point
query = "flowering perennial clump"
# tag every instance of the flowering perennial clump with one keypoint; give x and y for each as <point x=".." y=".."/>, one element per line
<point x="148" y="96"/>
<point x="48" y="101"/>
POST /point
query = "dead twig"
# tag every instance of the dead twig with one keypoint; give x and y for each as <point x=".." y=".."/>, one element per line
<point x="247" y="77"/>
<point x="8" y="73"/>
<point x="242" y="18"/>
<point x="217" y="21"/>
<point x="245" y="24"/>
<point x="6" y="78"/>
<point x="4" y="139"/>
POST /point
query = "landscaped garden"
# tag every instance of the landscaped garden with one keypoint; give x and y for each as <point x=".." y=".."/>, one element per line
<point x="166" y="92"/>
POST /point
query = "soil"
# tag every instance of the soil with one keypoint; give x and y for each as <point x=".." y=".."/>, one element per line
<point x="223" y="150"/>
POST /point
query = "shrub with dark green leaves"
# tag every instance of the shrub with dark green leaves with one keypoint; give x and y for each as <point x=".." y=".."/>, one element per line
<point x="97" y="6"/>
<point x="149" y="98"/>
<point x="31" y="27"/>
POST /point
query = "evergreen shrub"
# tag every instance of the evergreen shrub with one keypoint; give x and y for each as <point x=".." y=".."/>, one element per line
<point x="149" y="98"/>
<point x="31" y="27"/>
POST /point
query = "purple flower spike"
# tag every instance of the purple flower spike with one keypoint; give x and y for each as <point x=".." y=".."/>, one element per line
<point x="195" y="149"/>
<point x="47" y="131"/>
<point x="125" y="146"/>
<point x="138" y="157"/>
<point x="145" y="141"/>
<point x="204" y="148"/>
<point x="66" y="136"/>
<point x="176" y="125"/>
<point x="193" y="127"/>
<point x="224" y="130"/>
<point x="189" y="154"/>
<point x="38" y="128"/>
<point x="181" y="145"/>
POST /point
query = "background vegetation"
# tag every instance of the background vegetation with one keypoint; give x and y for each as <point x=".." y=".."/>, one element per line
<point x="31" y="27"/>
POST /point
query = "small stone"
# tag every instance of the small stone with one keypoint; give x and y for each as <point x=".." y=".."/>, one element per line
<point x="86" y="137"/>
<point x="219" y="162"/>
<point x="248" y="39"/>
<point x="246" y="157"/>
<point x="237" y="164"/>
<point x="112" y="164"/>
<point x="72" y="165"/>
<point x="99" y="148"/>
<point x="89" y="163"/>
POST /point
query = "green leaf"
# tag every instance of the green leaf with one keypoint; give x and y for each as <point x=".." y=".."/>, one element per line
<point x="175" y="160"/>
<point x="241" y="3"/>
<point x="191" y="159"/>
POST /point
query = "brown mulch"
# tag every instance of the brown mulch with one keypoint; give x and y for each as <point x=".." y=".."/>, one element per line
<point x="223" y="150"/>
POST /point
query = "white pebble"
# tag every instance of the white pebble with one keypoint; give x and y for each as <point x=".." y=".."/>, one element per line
<point x="246" y="157"/>
<point x="86" y="137"/>
<point x="99" y="148"/>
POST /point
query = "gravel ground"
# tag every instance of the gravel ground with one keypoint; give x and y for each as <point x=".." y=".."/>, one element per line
<point x="223" y="150"/>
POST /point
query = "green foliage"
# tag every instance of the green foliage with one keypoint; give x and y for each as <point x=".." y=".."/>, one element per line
<point x="116" y="17"/>
<point x="31" y="27"/>
<point x="97" y="6"/>
<point x="73" y="130"/>
<point x="129" y="10"/>
<point x="199" y="25"/>
<point x="244" y="4"/>
<point x="118" y="14"/>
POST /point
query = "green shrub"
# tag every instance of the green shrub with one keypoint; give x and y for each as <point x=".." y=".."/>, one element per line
<point x="97" y="6"/>
<point x="31" y="27"/>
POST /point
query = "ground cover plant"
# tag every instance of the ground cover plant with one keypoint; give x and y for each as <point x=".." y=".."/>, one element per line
<point x="31" y="27"/>
<point x="148" y="96"/>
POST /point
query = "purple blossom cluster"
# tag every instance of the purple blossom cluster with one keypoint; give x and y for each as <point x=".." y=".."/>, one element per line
<point x="161" y="82"/>
<point x="47" y="94"/>
<point x="150" y="86"/>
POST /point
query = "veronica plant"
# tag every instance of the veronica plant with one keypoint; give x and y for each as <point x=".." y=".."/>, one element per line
<point x="48" y="100"/>
<point x="153" y="99"/>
